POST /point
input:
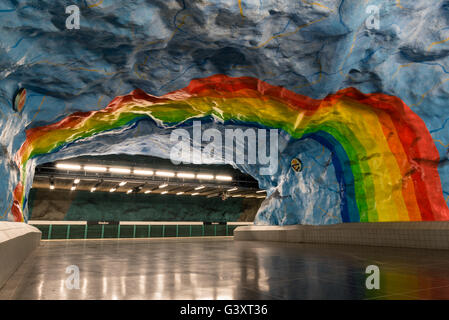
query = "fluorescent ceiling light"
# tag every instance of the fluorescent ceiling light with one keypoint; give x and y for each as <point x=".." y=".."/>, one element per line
<point x="120" y="170"/>
<point x="260" y="191"/>
<point x="93" y="189"/>
<point x="224" y="178"/>
<point x="261" y="197"/>
<point x="165" y="173"/>
<point x="179" y="193"/>
<point x="121" y="184"/>
<point x="76" y="181"/>
<point x="250" y="196"/>
<point x="236" y="195"/>
<point x="233" y="189"/>
<point x="148" y="191"/>
<point x="196" y="193"/>
<point x="187" y="175"/>
<point x="73" y="188"/>
<point x="129" y="191"/>
<point x="143" y="172"/>
<point x="68" y="166"/>
<point x="164" y="192"/>
<point x="52" y="186"/>
<point x="200" y="187"/>
<point x="95" y="168"/>
<point x="204" y="176"/>
<point x="112" y="190"/>
<point x="163" y="186"/>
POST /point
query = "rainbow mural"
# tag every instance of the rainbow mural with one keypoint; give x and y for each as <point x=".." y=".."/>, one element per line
<point x="383" y="154"/>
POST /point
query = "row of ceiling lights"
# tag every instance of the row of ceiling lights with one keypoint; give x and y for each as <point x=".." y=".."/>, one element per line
<point x="143" y="172"/>
<point x="164" y="185"/>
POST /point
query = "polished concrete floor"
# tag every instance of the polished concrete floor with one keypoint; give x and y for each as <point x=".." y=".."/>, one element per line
<point x="226" y="269"/>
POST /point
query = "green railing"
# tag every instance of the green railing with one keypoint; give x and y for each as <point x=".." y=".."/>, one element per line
<point x="52" y="230"/>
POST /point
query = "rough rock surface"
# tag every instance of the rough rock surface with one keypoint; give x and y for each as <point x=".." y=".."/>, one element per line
<point x="313" y="48"/>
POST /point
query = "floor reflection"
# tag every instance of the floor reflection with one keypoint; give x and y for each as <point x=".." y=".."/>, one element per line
<point x="226" y="269"/>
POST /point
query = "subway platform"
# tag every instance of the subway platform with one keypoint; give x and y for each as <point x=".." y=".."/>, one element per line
<point x="221" y="268"/>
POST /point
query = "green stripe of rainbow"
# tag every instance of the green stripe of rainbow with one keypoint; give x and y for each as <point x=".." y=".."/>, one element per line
<point x="386" y="157"/>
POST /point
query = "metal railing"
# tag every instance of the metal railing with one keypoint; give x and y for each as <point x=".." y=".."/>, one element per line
<point x="52" y="230"/>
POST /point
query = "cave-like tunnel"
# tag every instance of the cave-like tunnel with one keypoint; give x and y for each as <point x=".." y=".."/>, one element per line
<point x="223" y="150"/>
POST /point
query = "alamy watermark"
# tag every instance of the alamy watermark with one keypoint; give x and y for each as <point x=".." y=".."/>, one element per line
<point x="73" y="280"/>
<point x="73" y="20"/>
<point x="373" y="280"/>
<point x="231" y="148"/>
<point x="373" y="20"/>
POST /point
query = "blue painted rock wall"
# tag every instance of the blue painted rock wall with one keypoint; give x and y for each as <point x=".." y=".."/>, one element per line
<point x="312" y="48"/>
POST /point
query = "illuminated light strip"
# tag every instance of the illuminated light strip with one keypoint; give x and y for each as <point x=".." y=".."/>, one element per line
<point x="164" y="192"/>
<point x="186" y="175"/>
<point x="148" y="191"/>
<point x="68" y="166"/>
<point x="260" y="191"/>
<point x="204" y="176"/>
<point x="112" y="189"/>
<point x="129" y="191"/>
<point x="121" y="184"/>
<point x="200" y="187"/>
<point x="179" y="193"/>
<point x="143" y="172"/>
<point x="120" y="170"/>
<point x="223" y="178"/>
<point x="163" y="186"/>
<point x="233" y="189"/>
<point x="76" y="181"/>
<point x="165" y="173"/>
<point x="93" y="189"/>
<point x="95" y="168"/>
<point x="195" y="194"/>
